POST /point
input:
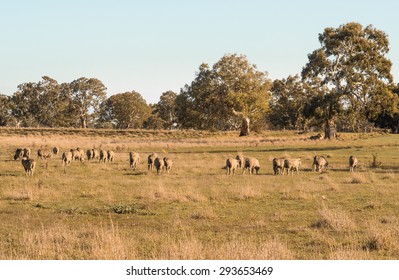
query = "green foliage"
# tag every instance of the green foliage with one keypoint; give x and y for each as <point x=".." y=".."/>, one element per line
<point x="87" y="95"/>
<point x="5" y="110"/>
<point x="352" y="69"/>
<point x="126" y="110"/>
<point x="232" y="84"/>
<point x="45" y="103"/>
<point x="289" y="100"/>
<point x="165" y="109"/>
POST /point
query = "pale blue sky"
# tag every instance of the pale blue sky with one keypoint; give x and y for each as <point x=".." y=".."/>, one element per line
<point x="154" y="46"/>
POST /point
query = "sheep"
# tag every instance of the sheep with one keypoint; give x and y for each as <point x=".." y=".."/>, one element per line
<point x="96" y="154"/>
<point x="26" y="152"/>
<point x="90" y="154"/>
<point x="44" y="153"/>
<point x="134" y="159"/>
<point x="292" y="165"/>
<point x="29" y="165"/>
<point x="56" y="150"/>
<point x="231" y="166"/>
<point x="241" y="160"/>
<point x="168" y="164"/>
<point x="159" y="165"/>
<point x="353" y="162"/>
<point x="21" y="153"/>
<point x="78" y="154"/>
<point x="66" y="158"/>
<point x="111" y="155"/>
<point x="319" y="163"/>
<point x="278" y="166"/>
<point x="151" y="159"/>
<point x="251" y="164"/>
<point x="103" y="156"/>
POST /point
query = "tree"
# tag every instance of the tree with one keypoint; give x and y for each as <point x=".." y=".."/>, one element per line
<point x="289" y="97"/>
<point x="87" y="95"/>
<point x="391" y="121"/>
<point x="165" y="109"/>
<point x="54" y="104"/>
<point x="26" y="104"/>
<point x="5" y="110"/>
<point x="350" y="72"/>
<point x="126" y="110"/>
<point x="45" y="103"/>
<point x="226" y="96"/>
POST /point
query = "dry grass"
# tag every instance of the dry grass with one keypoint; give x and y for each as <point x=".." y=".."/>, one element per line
<point x="107" y="211"/>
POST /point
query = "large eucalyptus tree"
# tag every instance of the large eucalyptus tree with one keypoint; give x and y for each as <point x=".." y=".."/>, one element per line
<point x="227" y="96"/>
<point x="350" y="72"/>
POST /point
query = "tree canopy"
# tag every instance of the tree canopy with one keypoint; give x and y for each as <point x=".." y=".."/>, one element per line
<point x="353" y="72"/>
<point x="126" y="110"/>
<point x="218" y="96"/>
<point x="346" y="84"/>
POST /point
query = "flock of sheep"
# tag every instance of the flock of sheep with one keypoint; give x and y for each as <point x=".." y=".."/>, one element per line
<point x="289" y="165"/>
<point x="29" y="164"/>
<point x="280" y="165"/>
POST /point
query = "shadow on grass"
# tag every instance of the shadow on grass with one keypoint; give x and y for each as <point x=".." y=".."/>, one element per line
<point x="9" y="174"/>
<point x="135" y="173"/>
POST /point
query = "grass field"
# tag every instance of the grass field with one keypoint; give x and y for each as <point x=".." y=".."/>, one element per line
<point x="107" y="211"/>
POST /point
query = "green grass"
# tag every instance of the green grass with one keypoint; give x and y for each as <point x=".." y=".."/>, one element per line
<point x="107" y="211"/>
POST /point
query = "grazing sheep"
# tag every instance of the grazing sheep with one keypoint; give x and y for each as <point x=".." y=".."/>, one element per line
<point x="353" y="162"/>
<point x="319" y="163"/>
<point x="151" y="160"/>
<point x="44" y="153"/>
<point x="21" y="153"/>
<point x="231" y="166"/>
<point x="159" y="165"/>
<point x="103" y="156"/>
<point x="56" y="150"/>
<point x="168" y="164"/>
<point x="90" y="154"/>
<point x="26" y="152"/>
<point x="251" y="164"/>
<point x="29" y="165"/>
<point x="134" y="159"/>
<point x="18" y="153"/>
<point x="78" y="154"/>
<point x="292" y="165"/>
<point x="111" y="155"/>
<point x="278" y="166"/>
<point x="96" y="154"/>
<point x="241" y="160"/>
<point x="66" y="158"/>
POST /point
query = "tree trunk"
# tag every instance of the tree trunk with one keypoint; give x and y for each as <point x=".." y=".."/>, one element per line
<point x="244" y="123"/>
<point x="83" y="121"/>
<point x="330" y="130"/>
<point x="244" y="126"/>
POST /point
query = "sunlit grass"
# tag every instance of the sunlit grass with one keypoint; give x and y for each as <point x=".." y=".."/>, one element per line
<point x="92" y="210"/>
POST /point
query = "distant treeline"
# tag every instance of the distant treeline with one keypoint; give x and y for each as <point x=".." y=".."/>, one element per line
<point x="346" y="85"/>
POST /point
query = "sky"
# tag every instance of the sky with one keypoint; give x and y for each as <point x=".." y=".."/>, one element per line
<point x="154" y="46"/>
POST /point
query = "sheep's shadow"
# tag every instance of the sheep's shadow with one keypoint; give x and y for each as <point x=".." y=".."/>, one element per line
<point x="135" y="173"/>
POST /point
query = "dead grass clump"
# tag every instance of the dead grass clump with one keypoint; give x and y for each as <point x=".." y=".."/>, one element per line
<point x="382" y="236"/>
<point x="60" y="242"/>
<point x="349" y="253"/>
<point x="248" y="192"/>
<point x="189" y="247"/>
<point x="247" y="249"/>
<point x="19" y="195"/>
<point x="375" y="163"/>
<point x="358" y="178"/>
<point x="334" y="219"/>
<point x="203" y="214"/>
